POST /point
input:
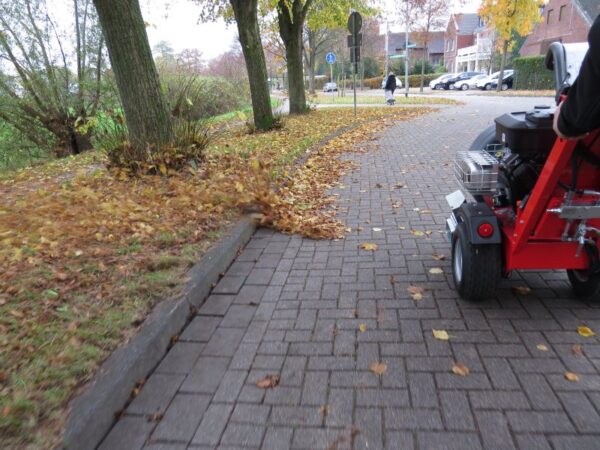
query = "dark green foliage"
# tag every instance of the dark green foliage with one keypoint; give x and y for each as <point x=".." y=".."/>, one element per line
<point x="371" y="67"/>
<point x="416" y="68"/>
<point x="195" y="98"/>
<point x="17" y="151"/>
<point x="531" y="73"/>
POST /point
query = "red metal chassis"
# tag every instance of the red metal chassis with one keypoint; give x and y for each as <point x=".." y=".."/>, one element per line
<point x="533" y="239"/>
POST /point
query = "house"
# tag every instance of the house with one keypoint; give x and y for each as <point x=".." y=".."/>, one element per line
<point x="564" y="21"/>
<point x="435" y="46"/>
<point x="460" y="34"/>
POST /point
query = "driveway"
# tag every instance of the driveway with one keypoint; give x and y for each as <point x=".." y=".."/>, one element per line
<point x="319" y="314"/>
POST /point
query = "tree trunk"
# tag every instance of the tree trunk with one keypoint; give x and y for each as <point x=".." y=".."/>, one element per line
<point x="146" y="112"/>
<point x="291" y="23"/>
<point x="502" y="66"/>
<point x="247" y="23"/>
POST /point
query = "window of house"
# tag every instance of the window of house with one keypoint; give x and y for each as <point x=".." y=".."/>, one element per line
<point x="561" y="12"/>
<point x="549" y="17"/>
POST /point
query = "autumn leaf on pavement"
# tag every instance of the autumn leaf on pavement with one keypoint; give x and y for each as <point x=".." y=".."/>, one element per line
<point x="416" y="292"/>
<point x="585" y="331"/>
<point x="521" y="290"/>
<point x="362" y="327"/>
<point x="460" y="369"/>
<point x="577" y="350"/>
<point x="369" y="246"/>
<point x="442" y="335"/>
<point x="438" y="257"/>
<point x="378" y="368"/>
<point x="571" y="376"/>
<point x="417" y="233"/>
<point x="270" y="381"/>
<point x="542" y="347"/>
<point x="436" y="270"/>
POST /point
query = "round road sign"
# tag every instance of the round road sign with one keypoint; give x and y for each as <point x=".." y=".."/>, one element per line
<point x="354" y="22"/>
<point x="330" y="58"/>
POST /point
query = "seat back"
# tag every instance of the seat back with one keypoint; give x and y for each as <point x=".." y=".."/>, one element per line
<point x="565" y="60"/>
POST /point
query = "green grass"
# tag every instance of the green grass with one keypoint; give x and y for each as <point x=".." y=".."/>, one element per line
<point x="322" y="99"/>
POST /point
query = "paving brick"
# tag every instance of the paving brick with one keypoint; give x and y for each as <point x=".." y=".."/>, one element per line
<point x="318" y="438"/>
<point x="230" y="386"/>
<point x="245" y="413"/>
<point x="297" y="416"/>
<point x="512" y="400"/>
<point x="314" y="391"/>
<point x="574" y="442"/>
<point x="395" y="440"/>
<point x="541" y="422"/>
<point x="212" y="425"/>
<point x="532" y="442"/>
<point x="182" y="418"/>
<point x="340" y="407"/>
<point x="206" y="375"/>
<point x="200" y="329"/>
<point x="448" y="441"/>
<point x="539" y="392"/>
<point x="382" y="397"/>
<point x="216" y="305"/>
<point x="242" y="435"/>
<point x="229" y="284"/>
<point x="456" y="411"/>
<point x="238" y="316"/>
<point x="369" y="421"/>
<point x="283" y="396"/>
<point x="223" y="342"/>
<point x="156" y="394"/>
<point x="581" y="411"/>
<point x="129" y="433"/>
<point x="501" y="373"/>
<point x="181" y="358"/>
<point x="494" y="430"/>
<point x="412" y="419"/>
<point x="278" y="438"/>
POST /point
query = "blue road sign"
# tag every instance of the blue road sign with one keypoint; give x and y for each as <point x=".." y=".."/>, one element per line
<point x="330" y="58"/>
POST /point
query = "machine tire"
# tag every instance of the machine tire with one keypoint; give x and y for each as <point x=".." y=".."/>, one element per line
<point x="584" y="285"/>
<point x="488" y="87"/>
<point x="464" y="87"/>
<point x="476" y="269"/>
<point x="485" y="138"/>
<point x="504" y="86"/>
<point x="437" y="87"/>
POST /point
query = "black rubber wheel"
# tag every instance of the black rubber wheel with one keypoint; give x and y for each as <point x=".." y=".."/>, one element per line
<point x="464" y="87"/>
<point x="584" y="285"/>
<point x="488" y="87"/>
<point x="476" y="269"/>
<point x="485" y="138"/>
<point x="504" y="86"/>
<point x="437" y="87"/>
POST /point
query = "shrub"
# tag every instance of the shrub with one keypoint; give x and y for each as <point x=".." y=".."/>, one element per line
<point x="416" y="69"/>
<point x="531" y="73"/>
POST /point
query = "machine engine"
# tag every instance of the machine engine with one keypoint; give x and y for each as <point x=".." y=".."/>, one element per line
<point x="508" y="169"/>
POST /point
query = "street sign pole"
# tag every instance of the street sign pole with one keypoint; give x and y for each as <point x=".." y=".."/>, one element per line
<point x="354" y="43"/>
<point x="331" y="58"/>
<point x="406" y="52"/>
<point x="331" y="78"/>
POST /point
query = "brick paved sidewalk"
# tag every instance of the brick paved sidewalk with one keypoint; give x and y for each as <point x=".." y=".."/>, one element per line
<point x="293" y="307"/>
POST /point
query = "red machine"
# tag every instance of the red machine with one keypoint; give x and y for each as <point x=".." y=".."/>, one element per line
<point x="537" y="198"/>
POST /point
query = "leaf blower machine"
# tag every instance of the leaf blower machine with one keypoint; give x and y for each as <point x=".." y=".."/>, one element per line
<point x="537" y="197"/>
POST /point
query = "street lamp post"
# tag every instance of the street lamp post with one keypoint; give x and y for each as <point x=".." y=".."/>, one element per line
<point x="406" y="52"/>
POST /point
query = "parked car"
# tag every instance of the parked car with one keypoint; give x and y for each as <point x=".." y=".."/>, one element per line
<point x="471" y="83"/>
<point x="330" y="87"/>
<point x="437" y="83"/>
<point x="458" y="79"/>
<point x="486" y="83"/>
<point x="398" y="83"/>
<point x="507" y="81"/>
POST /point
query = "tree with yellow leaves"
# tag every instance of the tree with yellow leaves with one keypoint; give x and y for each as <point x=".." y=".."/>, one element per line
<point x="507" y="18"/>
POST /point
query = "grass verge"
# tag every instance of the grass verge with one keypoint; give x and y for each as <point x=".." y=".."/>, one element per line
<point x="323" y="98"/>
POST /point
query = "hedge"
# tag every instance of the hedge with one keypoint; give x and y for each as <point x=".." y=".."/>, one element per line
<point x="413" y="80"/>
<point x="532" y="74"/>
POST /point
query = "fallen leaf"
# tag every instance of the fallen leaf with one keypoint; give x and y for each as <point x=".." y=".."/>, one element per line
<point x="577" y="350"/>
<point x="521" y="290"/>
<point x="442" y="335"/>
<point x="378" y="368"/>
<point x="417" y="233"/>
<point x="376" y="229"/>
<point x="399" y="185"/>
<point x="585" y="331"/>
<point x="369" y="246"/>
<point x="416" y="292"/>
<point x="17" y="314"/>
<point x="156" y="417"/>
<point x="571" y="376"/>
<point x="426" y="211"/>
<point x="460" y="369"/>
<point x="542" y="347"/>
<point x="392" y="279"/>
<point x="362" y="327"/>
<point x="324" y="410"/>
<point x="438" y="257"/>
<point x="270" y="381"/>
<point x="436" y="270"/>
<point x="61" y="276"/>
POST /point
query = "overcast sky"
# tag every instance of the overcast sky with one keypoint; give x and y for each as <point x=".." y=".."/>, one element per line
<point x="178" y="24"/>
